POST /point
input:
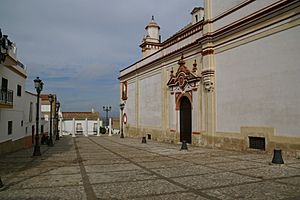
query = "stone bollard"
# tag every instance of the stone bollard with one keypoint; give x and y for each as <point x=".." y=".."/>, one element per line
<point x="144" y="140"/>
<point x="277" y="157"/>
<point x="184" y="145"/>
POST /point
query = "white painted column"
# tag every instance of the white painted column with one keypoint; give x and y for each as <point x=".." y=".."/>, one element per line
<point x="109" y="128"/>
<point x="98" y="127"/>
<point x="73" y="133"/>
<point x="60" y="127"/>
<point x="86" y="127"/>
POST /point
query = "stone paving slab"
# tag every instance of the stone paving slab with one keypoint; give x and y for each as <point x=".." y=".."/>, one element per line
<point x="235" y="165"/>
<point x="121" y="176"/>
<point x="172" y="196"/>
<point x="113" y="168"/>
<point x="272" y="171"/>
<point x="188" y="171"/>
<point x="66" y="192"/>
<point x="110" y="168"/>
<point x="258" y="191"/>
<point x="215" y="180"/>
<point x="45" y="181"/>
<point x="133" y="189"/>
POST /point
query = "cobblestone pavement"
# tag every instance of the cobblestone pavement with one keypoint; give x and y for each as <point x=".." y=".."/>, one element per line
<point x="113" y="168"/>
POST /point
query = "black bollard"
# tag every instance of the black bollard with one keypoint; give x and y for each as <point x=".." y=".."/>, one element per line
<point x="144" y="140"/>
<point x="1" y="184"/>
<point x="184" y="145"/>
<point x="277" y="157"/>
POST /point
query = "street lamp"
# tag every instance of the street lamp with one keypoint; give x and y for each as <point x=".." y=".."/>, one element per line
<point x="106" y="109"/>
<point x="56" y="114"/>
<point x="38" y="84"/>
<point x="50" y="97"/>
<point x="122" y="105"/>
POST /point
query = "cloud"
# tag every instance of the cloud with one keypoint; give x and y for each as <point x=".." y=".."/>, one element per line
<point x="77" y="47"/>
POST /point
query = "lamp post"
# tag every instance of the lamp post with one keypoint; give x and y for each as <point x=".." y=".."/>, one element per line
<point x="106" y="109"/>
<point x="122" y="105"/>
<point x="38" y="84"/>
<point x="56" y="114"/>
<point x="50" y="97"/>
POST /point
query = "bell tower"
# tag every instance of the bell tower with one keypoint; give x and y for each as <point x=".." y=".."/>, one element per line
<point x="151" y="41"/>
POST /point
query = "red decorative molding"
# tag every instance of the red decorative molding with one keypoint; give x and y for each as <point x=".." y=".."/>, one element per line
<point x="183" y="77"/>
<point x="124" y="90"/>
<point x="178" y="98"/>
<point x="196" y="133"/>
<point x="207" y="52"/>
<point x="125" y="118"/>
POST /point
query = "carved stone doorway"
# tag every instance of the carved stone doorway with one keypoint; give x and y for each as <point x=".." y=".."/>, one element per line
<point x="185" y="120"/>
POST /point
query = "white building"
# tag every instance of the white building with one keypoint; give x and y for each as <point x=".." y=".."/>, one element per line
<point x="83" y="123"/>
<point x="17" y="106"/>
<point x="229" y="79"/>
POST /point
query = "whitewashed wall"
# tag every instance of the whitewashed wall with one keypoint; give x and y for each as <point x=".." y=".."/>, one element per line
<point x="68" y="126"/>
<point x="16" y="113"/>
<point x="30" y="98"/>
<point x="130" y="104"/>
<point x="258" y="84"/>
<point x="150" y="101"/>
<point x="195" y="112"/>
<point x="172" y="112"/>
<point x="221" y="6"/>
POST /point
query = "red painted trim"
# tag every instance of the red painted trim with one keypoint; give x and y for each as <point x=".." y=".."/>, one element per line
<point x="178" y="98"/>
<point x="196" y="133"/>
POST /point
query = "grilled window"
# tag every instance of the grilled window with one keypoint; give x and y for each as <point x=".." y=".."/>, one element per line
<point x="257" y="143"/>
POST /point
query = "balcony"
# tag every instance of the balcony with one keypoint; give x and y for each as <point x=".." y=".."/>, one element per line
<point x="6" y="98"/>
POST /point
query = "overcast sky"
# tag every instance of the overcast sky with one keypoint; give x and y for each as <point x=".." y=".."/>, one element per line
<point x="77" y="47"/>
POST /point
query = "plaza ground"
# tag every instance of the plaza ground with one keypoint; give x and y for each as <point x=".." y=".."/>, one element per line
<point x="113" y="168"/>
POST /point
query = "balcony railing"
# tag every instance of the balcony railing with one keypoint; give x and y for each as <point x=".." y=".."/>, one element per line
<point x="6" y="96"/>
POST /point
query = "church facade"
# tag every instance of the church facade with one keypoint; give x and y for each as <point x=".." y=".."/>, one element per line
<point x="229" y="79"/>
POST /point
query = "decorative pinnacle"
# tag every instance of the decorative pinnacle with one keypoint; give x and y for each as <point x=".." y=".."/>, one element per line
<point x="172" y="75"/>
<point x="181" y="61"/>
<point x="195" y="66"/>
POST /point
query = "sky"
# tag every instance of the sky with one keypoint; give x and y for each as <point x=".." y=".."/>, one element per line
<point x="78" y="47"/>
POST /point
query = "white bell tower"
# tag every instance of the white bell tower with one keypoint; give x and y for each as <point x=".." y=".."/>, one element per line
<point x="151" y="41"/>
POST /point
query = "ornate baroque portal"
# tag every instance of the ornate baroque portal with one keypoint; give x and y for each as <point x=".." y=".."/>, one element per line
<point x="182" y="85"/>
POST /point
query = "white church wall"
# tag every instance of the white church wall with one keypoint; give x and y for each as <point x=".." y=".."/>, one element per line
<point x="130" y="104"/>
<point x="258" y="85"/>
<point x="172" y="112"/>
<point x="150" y="101"/>
<point x="195" y="112"/>
<point x="221" y="6"/>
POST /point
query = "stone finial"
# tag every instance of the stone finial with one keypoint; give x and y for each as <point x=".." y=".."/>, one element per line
<point x="195" y="66"/>
<point x="172" y="73"/>
<point x="181" y="61"/>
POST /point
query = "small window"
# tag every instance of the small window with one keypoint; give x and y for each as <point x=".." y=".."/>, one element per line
<point x="9" y="130"/>
<point x="79" y="128"/>
<point x="22" y="123"/>
<point x="196" y="17"/>
<point x="19" y="90"/>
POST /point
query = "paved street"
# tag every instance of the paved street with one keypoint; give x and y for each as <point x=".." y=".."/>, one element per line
<point x="112" y="168"/>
